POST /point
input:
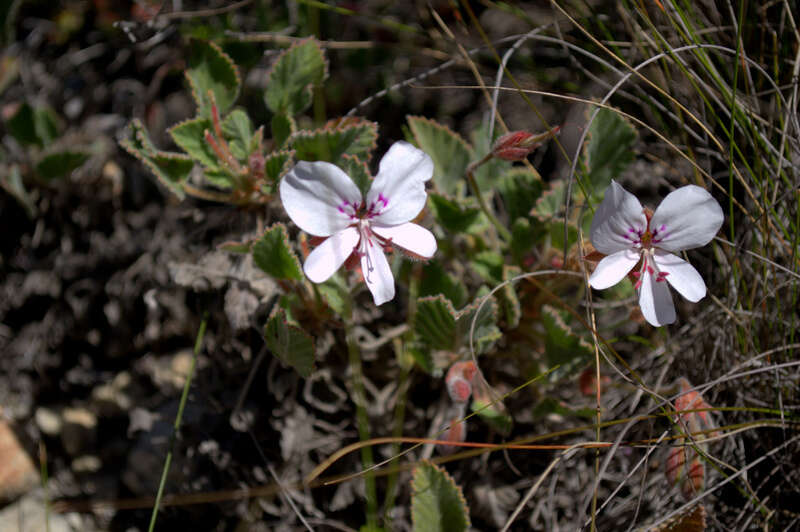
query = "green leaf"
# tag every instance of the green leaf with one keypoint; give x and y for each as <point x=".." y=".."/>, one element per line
<point x="170" y="168"/>
<point x="509" y="301"/>
<point x="294" y="73"/>
<point x="59" y="164"/>
<point x="289" y="343"/>
<point x="437" y="503"/>
<point x="563" y="347"/>
<point x="523" y="237"/>
<point x="12" y="183"/>
<point x="210" y="69"/>
<point x="520" y="189"/>
<point x="454" y="215"/>
<point x="608" y="150"/>
<point x="489" y="265"/>
<point x="33" y="126"/>
<point x="238" y="131"/>
<point x="282" y="127"/>
<point x="189" y="135"/>
<point x="550" y="202"/>
<point x="435" y="323"/>
<point x="556" y="230"/>
<point x="358" y="172"/>
<point x="422" y="356"/>
<point x="219" y="178"/>
<point x="486" y="331"/>
<point x="486" y="174"/>
<point x="273" y="254"/>
<point x="435" y="280"/>
<point x="439" y="326"/>
<point x="493" y="414"/>
<point x="335" y="294"/>
<point x="352" y="137"/>
<point x="276" y="164"/>
<point x="450" y="153"/>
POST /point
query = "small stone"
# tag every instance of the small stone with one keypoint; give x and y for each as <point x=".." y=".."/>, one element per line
<point x="30" y="515"/>
<point x="17" y="473"/>
<point x="86" y="464"/>
<point x="80" y="429"/>
<point x="112" y="398"/>
<point x="48" y="421"/>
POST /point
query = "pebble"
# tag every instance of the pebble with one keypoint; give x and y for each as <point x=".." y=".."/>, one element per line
<point x="48" y="421"/>
<point x="17" y="473"/>
<point x="79" y="431"/>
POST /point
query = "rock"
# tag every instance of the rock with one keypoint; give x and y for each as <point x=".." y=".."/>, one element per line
<point x="18" y="475"/>
<point x="48" y="421"/>
<point x="29" y="515"/>
<point x="79" y="431"/>
<point x="86" y="464"/>
<point x="112" y="398"/>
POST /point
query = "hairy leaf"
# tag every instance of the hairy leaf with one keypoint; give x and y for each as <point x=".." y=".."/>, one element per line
<point x="454" y="216"/>
<point x="562" y="346"/>
<point x="170" y="168"/>
<point x="238" y="131"/>
<point x="211" y="69"/>
<point x="33" y="125"/>
<point x="289" y="343"/>
<point x="437" y="503"/>
<point x="273" y="254"/>
<point x="189" y="135"/>
<point x="294" y="73"/>
<point x="608" y="150"/>
<point x="282" y="127"/>
<point x="276" y="164"/>
<point x="331" y="142"/>
<point x="60" y="164"/>
<point x="450" y="153"/>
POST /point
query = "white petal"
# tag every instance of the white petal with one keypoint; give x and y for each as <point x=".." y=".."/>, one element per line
<point x="318" y="197"/>
<point x="326" y="258"/>
<point x="616" y="220"/>
<point x="398" y="191"/>
<point x="412" y="237"/>
<point x="613" y="268"/>
<point x="687" y="218"/>
<point x="377" y="273"/>
<point x="655" y="301"/>
<point x="681" y="275"/>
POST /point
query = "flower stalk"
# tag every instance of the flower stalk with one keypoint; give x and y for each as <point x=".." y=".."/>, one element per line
<point x="362" y="420"/>
<point x="504" y="233"/>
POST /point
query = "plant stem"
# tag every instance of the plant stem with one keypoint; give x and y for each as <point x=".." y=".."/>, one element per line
<point x="197" y="344"/>
<point x="505" y="234"/>
<point x="405" y="364"/>
<point x="367" y="460"/>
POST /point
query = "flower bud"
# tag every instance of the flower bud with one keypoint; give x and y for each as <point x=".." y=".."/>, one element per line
<point x="459" y="381"/>
<point x="516" y="145"/>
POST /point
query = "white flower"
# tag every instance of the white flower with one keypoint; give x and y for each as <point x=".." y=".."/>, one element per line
<point x="323" y="201"/>
<point x="686" y="219"/>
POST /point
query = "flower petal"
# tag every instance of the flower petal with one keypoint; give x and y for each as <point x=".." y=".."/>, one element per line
<point x="655" y="301"/>
<point x="315" y="196"/>
<point x="617" y="220"/>
<point x="681" y="275"/>
<point x="398" y="191"/>
<point x="377" y="273"/>
<point x="613" y="268"/>
<point x="326" y="258"/>
<point x="412" y="237"/>
<point x="687" y="218"/>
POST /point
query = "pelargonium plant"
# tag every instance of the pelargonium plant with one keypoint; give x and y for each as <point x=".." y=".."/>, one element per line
<point x="324" y="201"/>
<point x="633" y="237"/>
